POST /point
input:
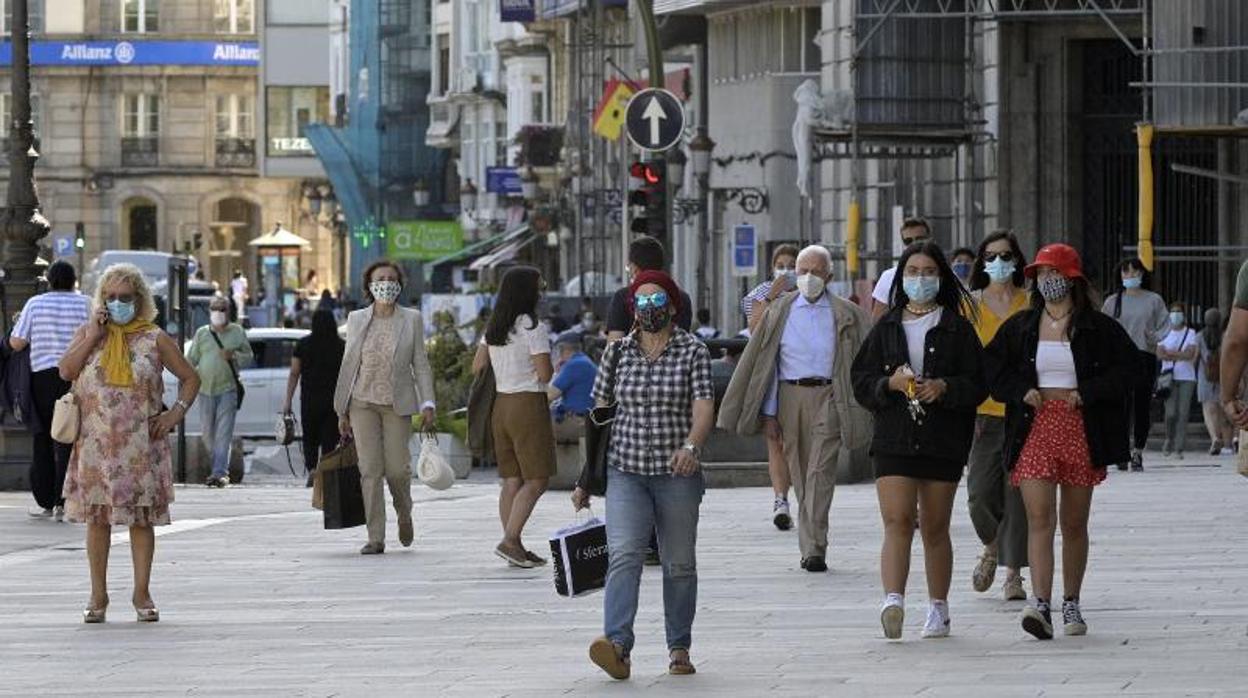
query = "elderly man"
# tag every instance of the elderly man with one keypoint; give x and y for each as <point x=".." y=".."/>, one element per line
<point x="794" y="379"/>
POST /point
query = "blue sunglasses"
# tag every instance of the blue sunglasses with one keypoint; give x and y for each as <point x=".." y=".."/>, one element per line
<point x="658" y="299"/>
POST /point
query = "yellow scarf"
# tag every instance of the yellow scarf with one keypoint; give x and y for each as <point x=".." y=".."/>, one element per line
<point x="116" y="356"/>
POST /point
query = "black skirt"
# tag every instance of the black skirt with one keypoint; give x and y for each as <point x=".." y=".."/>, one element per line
<point x="918" y="467"/>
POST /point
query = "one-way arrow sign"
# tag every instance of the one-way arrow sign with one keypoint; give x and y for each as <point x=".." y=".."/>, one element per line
<point x="655" y="119"/>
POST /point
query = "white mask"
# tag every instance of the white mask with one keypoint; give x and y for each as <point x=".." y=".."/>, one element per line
<point x="218" y="318"/>
<point x="811" y="286"/>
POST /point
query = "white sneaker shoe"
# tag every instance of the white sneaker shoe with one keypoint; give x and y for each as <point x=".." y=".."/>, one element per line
<point x="780" y="514"/>
<point x="893" y="616"/>
<point x="937" y="624"/>
<point x="58" y="514"/>
<point x="39" y="513"/>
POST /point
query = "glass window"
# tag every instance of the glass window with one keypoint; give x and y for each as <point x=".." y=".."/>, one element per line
<point x="234" y="16"/>
<point x="236" y="116"/>
<point x="140" y="116"/>
<point x="35" y="14"/>
<point x="290" y="110"/>
<point x="140" y="15"/>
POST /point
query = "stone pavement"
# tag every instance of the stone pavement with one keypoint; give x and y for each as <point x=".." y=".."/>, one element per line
<point x="258" y="600"/>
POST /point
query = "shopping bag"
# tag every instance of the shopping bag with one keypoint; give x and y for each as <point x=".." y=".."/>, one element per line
<point x="597" y="445"/>
<point x="432" y="467"/>
<point x="342" y="498"/>
<point x="579" y="557"/>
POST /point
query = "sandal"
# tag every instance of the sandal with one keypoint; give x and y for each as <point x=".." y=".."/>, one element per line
<point x="610" y="658"/>
<point x="680" y="664"/>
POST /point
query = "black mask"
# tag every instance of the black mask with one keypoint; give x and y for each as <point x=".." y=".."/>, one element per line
<point x="653" y="319"/>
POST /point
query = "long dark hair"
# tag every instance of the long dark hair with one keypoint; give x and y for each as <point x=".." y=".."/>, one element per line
<point x="518" y="294"/>
<point x="1146" y="280"/>
<point x="952" y="296"/>
<point x="324" y="340"/>
<point x="979" y="277"/>
<point x="1083" y="302"/>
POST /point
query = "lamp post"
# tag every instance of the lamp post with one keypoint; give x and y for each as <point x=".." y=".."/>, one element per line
<point x="700" y="149"/>
<point x="340" y="227"/>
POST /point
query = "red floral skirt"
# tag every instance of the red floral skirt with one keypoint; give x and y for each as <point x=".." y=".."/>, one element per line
<point x="1057" y="449"/>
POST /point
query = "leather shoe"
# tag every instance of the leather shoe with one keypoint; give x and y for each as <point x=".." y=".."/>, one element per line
<point x="814" y="563"/>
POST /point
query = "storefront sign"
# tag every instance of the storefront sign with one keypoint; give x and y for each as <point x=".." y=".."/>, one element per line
<point x="120" y="53"/>
<point x="503" y="180"/>
<point x="284" y="146"/>
<point x="518" y="10"/>
<point x="424" y="240"/>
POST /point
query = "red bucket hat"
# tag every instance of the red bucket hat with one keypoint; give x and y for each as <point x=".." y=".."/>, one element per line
<point x="1062" y="257"/>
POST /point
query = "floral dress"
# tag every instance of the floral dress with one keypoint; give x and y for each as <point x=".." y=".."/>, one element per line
<point x="117" y="475"/>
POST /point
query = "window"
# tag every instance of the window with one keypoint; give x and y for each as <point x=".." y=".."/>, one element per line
<point x="234" y="17"/>
<point x="140" y="16"/>
<point x="140" y="117"/>
<point x="236" y="117"/>
<point x="289" y="111"/>
<point x="35" y="14"/>
<point x="444" y="63"/>
<point x="537" y="95"/>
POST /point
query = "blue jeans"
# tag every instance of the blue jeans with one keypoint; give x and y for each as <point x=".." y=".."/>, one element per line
<point x="636" y="506"/>
<point x="216" y="417"/>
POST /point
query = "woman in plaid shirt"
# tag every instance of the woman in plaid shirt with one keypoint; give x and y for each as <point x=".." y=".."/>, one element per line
<point x="659" y="377"/>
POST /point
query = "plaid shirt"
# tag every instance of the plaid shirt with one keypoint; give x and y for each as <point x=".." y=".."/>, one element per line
<point x="758" y="294"/>
<point x="655" y="400"/>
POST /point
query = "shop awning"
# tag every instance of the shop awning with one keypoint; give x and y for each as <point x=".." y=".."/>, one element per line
<point x="479" y="248"/>
<point x="505" y="253"/>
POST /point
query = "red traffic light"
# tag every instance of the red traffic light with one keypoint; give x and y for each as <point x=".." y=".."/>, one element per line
<point x="648" y="172"/>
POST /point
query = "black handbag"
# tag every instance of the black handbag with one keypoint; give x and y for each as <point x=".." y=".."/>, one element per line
<point x="342" y="497"/>
<point x="597" y="446"/>
<point x="240" y="391"/>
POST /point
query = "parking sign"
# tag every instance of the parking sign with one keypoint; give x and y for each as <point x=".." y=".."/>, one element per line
<point x="744" y="250"/>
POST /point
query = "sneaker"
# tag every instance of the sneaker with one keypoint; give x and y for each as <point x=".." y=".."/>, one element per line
<point x="39" y="513"/>
<point x="893" y="616"/>
<point x="1072" y="619"/>
<point x="1137" y="460"/>
<point x="1216" y="449"/>
<point x="58" y="513"/>
<point x="780" y="514"/>
<point x="985" y="570"/>
<point x="1038" y="622"/>
<point x="1013" y="589"/>
<point x="373" y="549"/>
<point x="937" y="624"/>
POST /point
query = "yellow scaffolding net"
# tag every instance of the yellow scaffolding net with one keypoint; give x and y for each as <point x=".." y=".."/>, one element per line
<point x="1144" y="136"/>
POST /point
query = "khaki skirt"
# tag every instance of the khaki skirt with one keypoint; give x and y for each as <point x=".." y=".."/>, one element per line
<point x="524" y="440"/>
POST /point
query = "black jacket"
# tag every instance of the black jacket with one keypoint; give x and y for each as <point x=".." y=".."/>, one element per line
<point x="1104" y="360"/>
<point x="952" y="353"/>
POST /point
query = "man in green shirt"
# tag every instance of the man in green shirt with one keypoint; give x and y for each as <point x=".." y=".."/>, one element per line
<point x="216" y="352"/>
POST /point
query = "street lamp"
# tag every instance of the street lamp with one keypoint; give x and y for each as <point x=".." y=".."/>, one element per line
<point x="468" y="195"/>
<point x="676" y="168"/>
<point x="420" y="193"/>
<point x="528" y="184"/>
<point x="700" y="153"/>
<point x="313" y="195"/>
<point x="329" y="201"/>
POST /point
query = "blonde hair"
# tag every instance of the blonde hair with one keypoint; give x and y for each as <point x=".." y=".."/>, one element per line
<point x="144" y="304"/>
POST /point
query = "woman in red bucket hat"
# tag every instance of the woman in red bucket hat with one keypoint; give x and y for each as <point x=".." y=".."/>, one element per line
<point x="1062" y="369"/>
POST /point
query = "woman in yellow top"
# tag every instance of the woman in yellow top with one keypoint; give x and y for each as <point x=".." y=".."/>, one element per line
<point x="999" y="290"/>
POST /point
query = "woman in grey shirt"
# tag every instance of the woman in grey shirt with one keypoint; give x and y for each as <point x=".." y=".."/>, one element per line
<point x="1143" y="314"/>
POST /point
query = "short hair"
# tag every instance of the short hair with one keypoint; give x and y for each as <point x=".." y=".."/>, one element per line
<point x="819" y="250"/>
<point x="61" y="276"/>
<point x="144" y="305"/>
<point x="647" y="253"/>
<point x="783" y="250"/>
<point x="380" y="264"/>
<point x="917" y="222"/>
<point x="219" y="299"/>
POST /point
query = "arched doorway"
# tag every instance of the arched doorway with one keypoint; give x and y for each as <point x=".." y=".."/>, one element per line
<point x="235" y="222"/>
<point x="139" y="220"/>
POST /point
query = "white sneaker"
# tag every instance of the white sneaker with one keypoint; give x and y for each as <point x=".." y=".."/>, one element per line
<point x="893" y="616"/>
<point x="780" y="514"/>
<point x="39" y="513"/>
<point x="58" y="514"/>
<point x="937" y="624"/>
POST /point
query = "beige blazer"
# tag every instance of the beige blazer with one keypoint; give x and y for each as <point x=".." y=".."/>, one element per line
<point x="413" y="377"/>
<point x="755" y="372"/>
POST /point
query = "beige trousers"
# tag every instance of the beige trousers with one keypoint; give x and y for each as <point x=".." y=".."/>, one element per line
<point x="381" y="438"/>
<point x="812" y="442"/>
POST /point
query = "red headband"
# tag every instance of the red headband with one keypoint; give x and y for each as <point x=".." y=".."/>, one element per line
<point x="658" y="278"/>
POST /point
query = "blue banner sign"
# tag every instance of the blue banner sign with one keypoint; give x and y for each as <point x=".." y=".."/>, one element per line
<point x="120" y="53"/>
<point x="518" y="10"/>
<point x="503" y="180"/>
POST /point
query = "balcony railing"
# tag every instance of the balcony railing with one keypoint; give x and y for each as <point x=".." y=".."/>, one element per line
<point x="140" y="152"/>
<point x="236" y="152"/>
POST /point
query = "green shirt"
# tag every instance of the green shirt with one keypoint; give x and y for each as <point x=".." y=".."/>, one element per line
<point x="1241" y="288"/>
<point x="214" y="371"/>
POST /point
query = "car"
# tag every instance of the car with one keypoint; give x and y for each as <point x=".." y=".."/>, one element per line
<point x="264" y="380"/>
<point x="153" y="264"/>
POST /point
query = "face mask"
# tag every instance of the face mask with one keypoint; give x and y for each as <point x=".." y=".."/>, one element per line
<point x="119" y="312"/>
<point x="653" y="319"/>
<point x="1130" y="282"/>
<point x="1054" y="288"/>
<point x="811" y="286"/>
<point x="1000" y="270"/>
<point x="962" y="269"/>
<point x="779" y="274"/>
<point x="218" y="318"/>
<point x="921" y="289"/>
<point x="1177" y="319"/>
<point x="385" y="291"/>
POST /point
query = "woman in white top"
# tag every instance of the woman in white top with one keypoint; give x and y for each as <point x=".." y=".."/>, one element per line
<point x="1178" y="352"/>
<point x="517" y="347"/>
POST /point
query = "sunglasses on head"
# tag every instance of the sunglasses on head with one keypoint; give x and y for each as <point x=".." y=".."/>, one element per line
<point x="658" y="299"/>
<point x="1003" y="256"/>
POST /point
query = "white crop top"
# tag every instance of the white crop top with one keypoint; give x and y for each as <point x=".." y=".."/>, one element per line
<point x="1055" y="365"/>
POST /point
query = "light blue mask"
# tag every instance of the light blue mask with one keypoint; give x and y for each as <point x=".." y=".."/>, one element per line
<point x="120" y="312"/>
<point x="921" y="289"/>
<point x="999" y="270"/>
<point x="1130" y="282"/>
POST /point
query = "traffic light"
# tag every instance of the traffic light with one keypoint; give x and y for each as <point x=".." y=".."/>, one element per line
<point x="650" y="196"/>
<point x="80" y="236"/>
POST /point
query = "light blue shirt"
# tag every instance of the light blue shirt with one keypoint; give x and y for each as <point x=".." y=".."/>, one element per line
<point x="807" y="346"/>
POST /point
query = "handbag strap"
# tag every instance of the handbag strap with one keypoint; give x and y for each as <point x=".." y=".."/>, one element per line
<point x="215" y="338"/>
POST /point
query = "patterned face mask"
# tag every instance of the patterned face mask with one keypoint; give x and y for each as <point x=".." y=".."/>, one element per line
<point x="653" y="318"/>
<point x="1054" y="287"/>
<point x="385" y="291"/>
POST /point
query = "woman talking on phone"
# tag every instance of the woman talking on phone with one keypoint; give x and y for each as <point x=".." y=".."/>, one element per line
<point x="120" y="471"/>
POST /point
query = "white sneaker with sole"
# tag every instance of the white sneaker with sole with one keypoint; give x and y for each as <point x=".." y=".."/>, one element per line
<point x="1013" y="589"/>
<point x="893" y="616"/>
<point x="39" y="513"/>
<point x="937" y="624"/>
<point x="780" y="514"/>
<point x="58" y="514"/>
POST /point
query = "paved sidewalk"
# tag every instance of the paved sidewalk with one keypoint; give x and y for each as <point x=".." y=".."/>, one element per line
<point x="258" y="600"/>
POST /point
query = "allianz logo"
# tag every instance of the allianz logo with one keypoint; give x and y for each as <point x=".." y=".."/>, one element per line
<point x="591" y="552"/>
<point x="122" y="52"/>
<point x="234" y="52"/>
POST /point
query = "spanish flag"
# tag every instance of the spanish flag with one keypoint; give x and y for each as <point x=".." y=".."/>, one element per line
<point x="609" y="115"/>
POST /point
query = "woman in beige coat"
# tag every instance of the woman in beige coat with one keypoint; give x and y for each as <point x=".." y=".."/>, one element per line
<point x="385" y="379"/>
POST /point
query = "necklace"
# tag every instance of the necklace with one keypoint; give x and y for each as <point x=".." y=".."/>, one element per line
<point x="1055" y="321"/>
<point x="918" y="311"/>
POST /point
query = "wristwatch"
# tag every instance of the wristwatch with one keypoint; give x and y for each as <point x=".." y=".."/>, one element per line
<point x="182" y="403"/>
<point x="693" y="448"/>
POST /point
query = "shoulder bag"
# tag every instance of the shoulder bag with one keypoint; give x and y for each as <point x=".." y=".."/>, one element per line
<point x="240" y="391"/>
<point x="598" y="427"/>
<point x="1165" y="381"/>
<point x="66" y="419"/>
